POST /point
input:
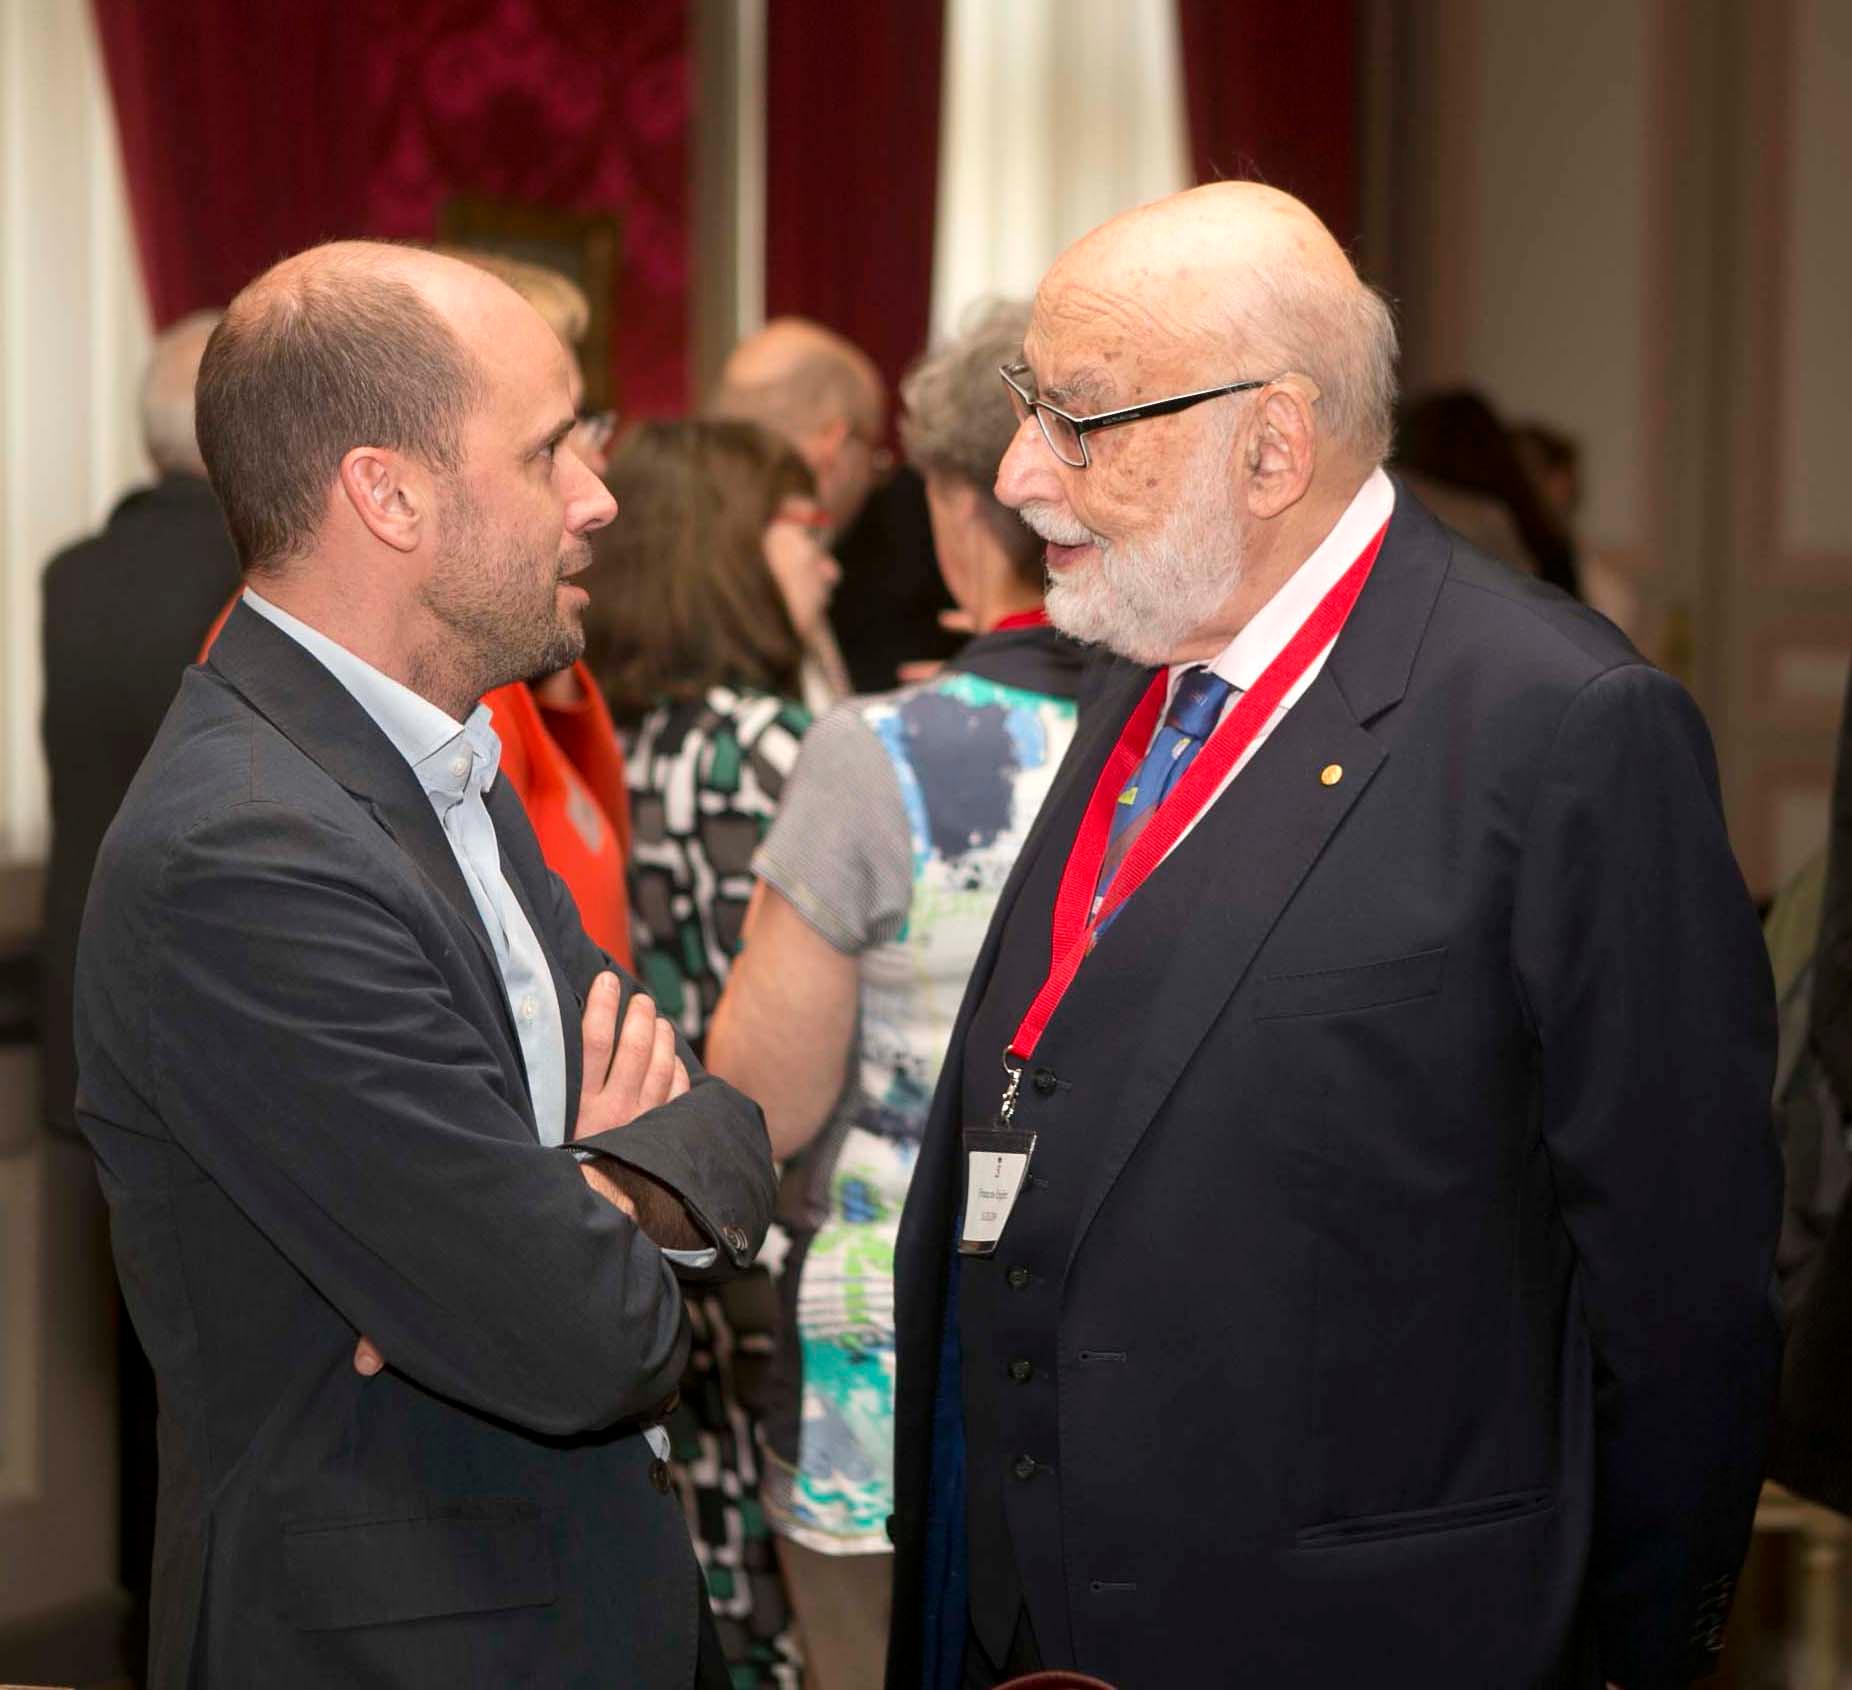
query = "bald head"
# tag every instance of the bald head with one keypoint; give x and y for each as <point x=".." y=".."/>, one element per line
<point x="1241" y="281"/>
<point x="825" y="396"/>
<point x="349" y="344"/>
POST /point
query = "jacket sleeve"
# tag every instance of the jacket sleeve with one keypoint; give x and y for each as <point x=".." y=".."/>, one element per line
<point x="1638" y="952"/>
<point x="307" y="1054"/>
<point x="709" y="1146"/>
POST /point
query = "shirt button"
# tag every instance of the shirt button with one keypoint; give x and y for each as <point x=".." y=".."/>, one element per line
<point x="1022" y="1371"/>
<point x="1018" y="1278"/>
<point x="1044" y="1082"/>
<point x="1024" y="1467"/>
<point x="530" y="1007"/>
<point x="459" y="766"/>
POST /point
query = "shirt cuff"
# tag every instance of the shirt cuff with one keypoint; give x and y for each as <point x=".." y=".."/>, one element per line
<point x="681" y="1258"/>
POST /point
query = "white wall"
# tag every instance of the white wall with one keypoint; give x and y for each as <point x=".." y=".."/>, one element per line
<point x="73" y="337"/>
<point x="1056" y="114"/>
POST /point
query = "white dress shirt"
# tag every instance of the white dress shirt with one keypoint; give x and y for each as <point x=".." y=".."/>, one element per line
<point x="1245" y="658"/>
<point x="456" y="764"/>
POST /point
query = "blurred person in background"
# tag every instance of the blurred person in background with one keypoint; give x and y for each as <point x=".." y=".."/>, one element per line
<point x="122" y="617"/>
<point x="824" y="396"/>
<point x="705" y="594"/>
<point x="1459" y="457"/>
<point x="897" y="831"/>
<point x="1553" y="461"/>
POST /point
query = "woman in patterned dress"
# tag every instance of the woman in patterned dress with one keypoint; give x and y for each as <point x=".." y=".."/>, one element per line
<point x="705" y="594"/>
<point x="897" y="831"/>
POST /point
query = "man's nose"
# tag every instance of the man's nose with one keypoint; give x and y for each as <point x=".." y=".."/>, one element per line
<point x="1027" y="468"/>
<point x="589" y="503"/>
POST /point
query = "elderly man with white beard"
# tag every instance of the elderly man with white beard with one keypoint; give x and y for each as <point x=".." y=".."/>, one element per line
<point x="1340" y="1250"/>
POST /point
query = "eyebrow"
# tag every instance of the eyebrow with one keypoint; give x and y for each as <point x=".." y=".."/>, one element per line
<point x="1084" y="386"/>
<point x="553" y="437"/>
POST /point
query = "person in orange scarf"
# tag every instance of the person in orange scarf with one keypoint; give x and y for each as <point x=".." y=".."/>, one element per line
<point x="560" y="751"/>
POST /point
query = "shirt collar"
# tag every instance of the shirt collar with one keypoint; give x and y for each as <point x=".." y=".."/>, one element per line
<point x="1245" y="658"/>
<point x="448" y="756"/>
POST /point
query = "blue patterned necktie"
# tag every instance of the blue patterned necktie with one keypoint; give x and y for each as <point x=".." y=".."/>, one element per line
<point x="1194" y="711"/>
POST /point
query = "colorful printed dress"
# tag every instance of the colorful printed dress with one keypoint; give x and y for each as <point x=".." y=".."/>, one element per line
<point x="898" y="829"/>
<point x="705" y="778"/>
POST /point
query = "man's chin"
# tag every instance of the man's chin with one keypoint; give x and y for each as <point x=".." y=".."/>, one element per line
<point x="1086" y="617"/>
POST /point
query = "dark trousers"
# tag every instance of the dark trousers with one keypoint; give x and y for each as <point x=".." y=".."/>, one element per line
<point x="710" y="1659"/>
<point x="982" y="1673"/>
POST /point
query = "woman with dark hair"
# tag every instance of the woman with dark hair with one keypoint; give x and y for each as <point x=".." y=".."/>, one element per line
<point x="704" y="595"/>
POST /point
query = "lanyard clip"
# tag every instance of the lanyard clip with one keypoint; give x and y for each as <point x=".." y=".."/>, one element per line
<point x="1008" y="1106"/>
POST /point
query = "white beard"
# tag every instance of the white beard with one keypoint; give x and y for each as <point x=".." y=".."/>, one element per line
<point x="1143" y="599"/>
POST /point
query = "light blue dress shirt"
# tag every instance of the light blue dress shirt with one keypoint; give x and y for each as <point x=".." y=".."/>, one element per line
<point x="456" y="763"/>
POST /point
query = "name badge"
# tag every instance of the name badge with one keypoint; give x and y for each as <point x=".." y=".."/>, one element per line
<point x="996" y="1169"/>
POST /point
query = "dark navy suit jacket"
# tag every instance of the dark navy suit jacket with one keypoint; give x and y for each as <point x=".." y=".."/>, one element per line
<point x="1391" y="1300"/>
<point x="305" y="1093"/>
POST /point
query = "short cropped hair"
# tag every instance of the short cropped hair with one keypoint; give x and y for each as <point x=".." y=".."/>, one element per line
<point x="956" y="417"/>
<point x="300" y="373"/>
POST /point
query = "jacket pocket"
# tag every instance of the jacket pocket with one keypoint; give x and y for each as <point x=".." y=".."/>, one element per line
<point x="475" y="1557"/>
<point x="1333" y="990"/>
<point x="1416" y="1522"/>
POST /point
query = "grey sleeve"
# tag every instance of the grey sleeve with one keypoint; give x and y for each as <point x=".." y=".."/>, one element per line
<point x="840" y="850"/>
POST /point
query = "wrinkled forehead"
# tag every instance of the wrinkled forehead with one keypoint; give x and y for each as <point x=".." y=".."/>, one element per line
<point x="1093" y="343"/>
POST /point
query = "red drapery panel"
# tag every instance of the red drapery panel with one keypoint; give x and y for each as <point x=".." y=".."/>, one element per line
<point x="852" y="168"/>
<point x="1273" y="94"/>
<point x="251" y="130"/>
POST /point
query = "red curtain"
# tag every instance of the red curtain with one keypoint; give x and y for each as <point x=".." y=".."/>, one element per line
<point x="852" y="168"/>
<point x="249" y="131"/>
<point x="1274" y="95"/>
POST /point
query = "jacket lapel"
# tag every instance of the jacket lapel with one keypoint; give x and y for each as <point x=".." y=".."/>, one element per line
<point x="526" y="871"/>
<point x="306" y="704"/>
<point x="1212" y="902"/>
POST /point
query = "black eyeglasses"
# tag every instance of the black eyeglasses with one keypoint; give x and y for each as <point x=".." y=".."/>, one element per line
<point x="1066" y="434"/>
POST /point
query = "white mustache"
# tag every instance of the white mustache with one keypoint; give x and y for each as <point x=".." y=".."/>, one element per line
<point x="1050" y="523"/>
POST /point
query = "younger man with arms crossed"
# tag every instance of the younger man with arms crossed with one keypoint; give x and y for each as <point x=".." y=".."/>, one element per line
<point x="326" y="995"/>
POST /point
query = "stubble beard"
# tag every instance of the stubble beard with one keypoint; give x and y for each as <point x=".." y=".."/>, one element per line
<point x="500" y="609"/>
<point x="1143" y="598"/>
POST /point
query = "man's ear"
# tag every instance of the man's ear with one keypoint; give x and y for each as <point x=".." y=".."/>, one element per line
<point x="389" y="493"/>
<point x="1282" y="450"/>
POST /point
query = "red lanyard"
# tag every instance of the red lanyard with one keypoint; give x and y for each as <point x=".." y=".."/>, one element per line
<point x="1074" y="931"/>
<point x="1021" y="619"/>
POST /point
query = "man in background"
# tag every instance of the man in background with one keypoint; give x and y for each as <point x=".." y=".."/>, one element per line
<point x="123" y="615"/>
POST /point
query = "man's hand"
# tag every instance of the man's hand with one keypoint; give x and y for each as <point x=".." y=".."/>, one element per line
<point x="642" y="1074"/>
<point x="626" y="1074"/>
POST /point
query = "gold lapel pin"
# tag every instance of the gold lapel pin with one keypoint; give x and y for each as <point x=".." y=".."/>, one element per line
<point x="1331" y="773"/>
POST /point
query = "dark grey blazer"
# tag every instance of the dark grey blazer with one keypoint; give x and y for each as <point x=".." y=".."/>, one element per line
<point x="1391" y="1303"/>
<point x="306" y="1096"/>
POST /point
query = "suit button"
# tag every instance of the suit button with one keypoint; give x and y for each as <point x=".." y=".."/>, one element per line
<point x="659" y="1476"/>
<point x="1044" y="1081"/>
<point x="1022" y="1371"/>
<point x="734" y="1239"/>
<point x="1024" y="1467"/>
<point x="1018" y="1278"/>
